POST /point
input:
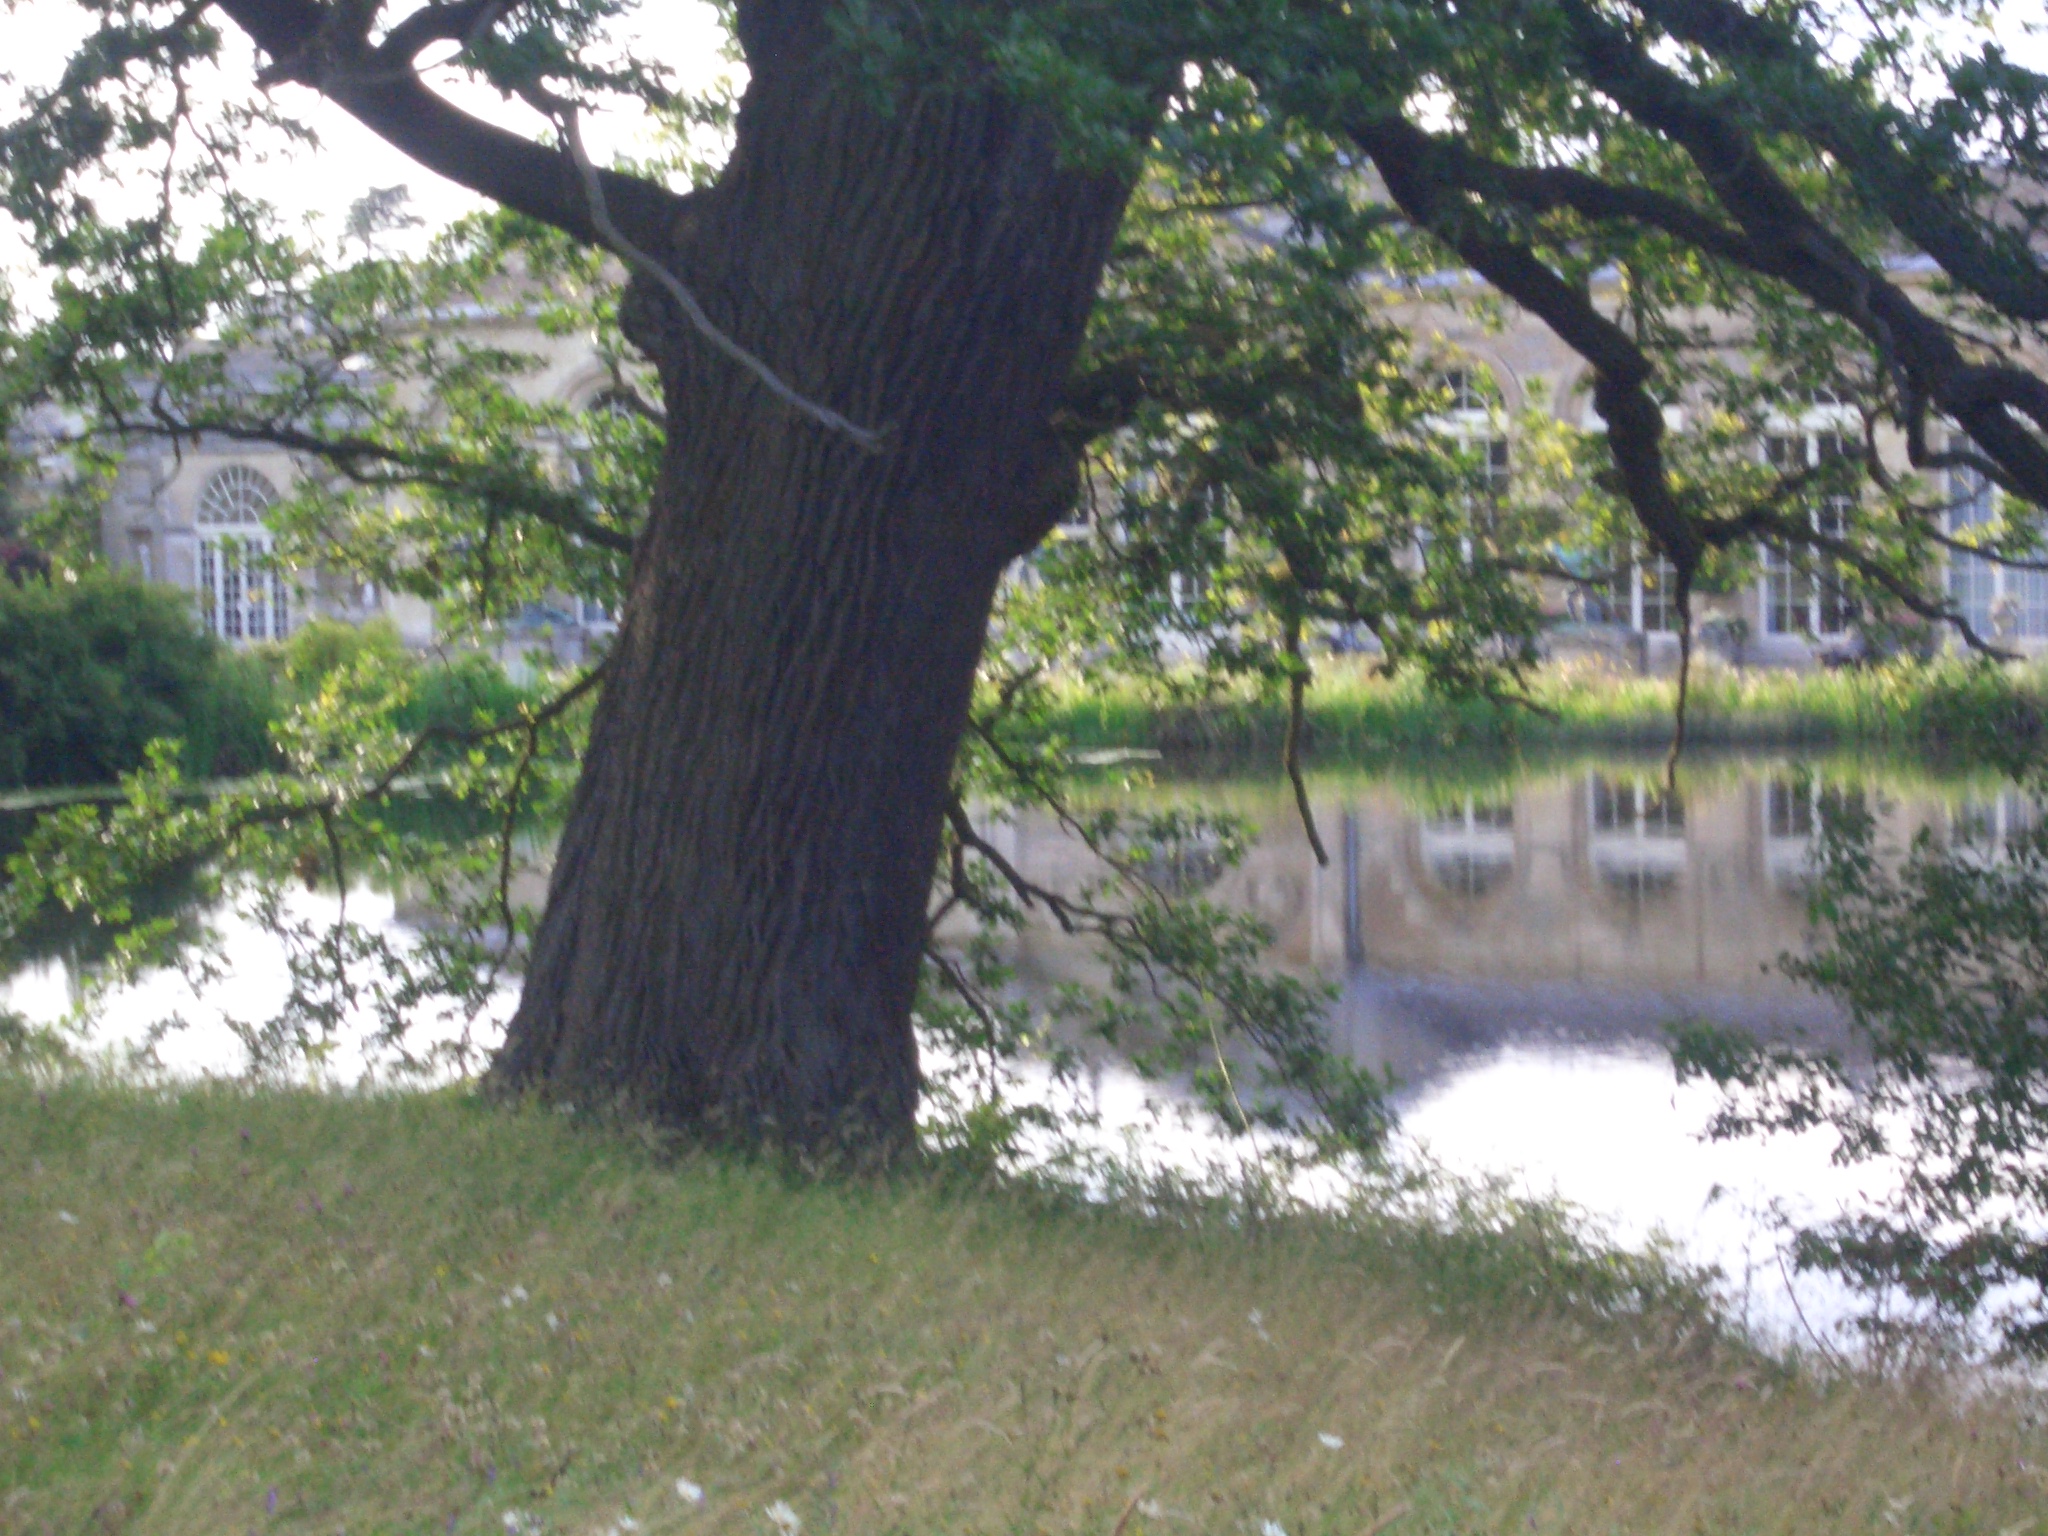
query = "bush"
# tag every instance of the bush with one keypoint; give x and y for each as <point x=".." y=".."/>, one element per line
<point x="325" y="646"/>
<point x="230" y="738"/>
<point x="470" y="690"/>
<point x="93" y="669"/>
<point x="455" y="694"/>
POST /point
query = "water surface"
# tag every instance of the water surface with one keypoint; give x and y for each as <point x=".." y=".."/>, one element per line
<point x="1512" y="953"/>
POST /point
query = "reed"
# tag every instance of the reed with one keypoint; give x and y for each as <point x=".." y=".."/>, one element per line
<point x="1948" y="708"/>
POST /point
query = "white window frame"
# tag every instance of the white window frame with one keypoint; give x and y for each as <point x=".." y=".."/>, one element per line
<point x="1469" y="845"/>
<point x="1475" y="422"/>
<point x="1830" y="614"/>
<point x="244" y="598"/>
<point x="1983" y="831"/>
<point x="1635" y="835"/>
<point x="1644" y="602"/>
<point x="1638" y="569"/>
<point x="1983" y="589"/>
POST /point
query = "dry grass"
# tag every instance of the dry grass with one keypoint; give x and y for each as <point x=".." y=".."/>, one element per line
<point x="321" y="1314"/>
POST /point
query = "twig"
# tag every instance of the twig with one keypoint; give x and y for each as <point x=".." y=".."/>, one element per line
<point x="865" y="438"/>
<point x="334" y="851"/>
<point x="1244" y="1121"/>
<point x="1028" y="891"/>
<point x="1297" y="690"/>
<point x="1799" y="1312"/>
<point x="1684" y="681"/>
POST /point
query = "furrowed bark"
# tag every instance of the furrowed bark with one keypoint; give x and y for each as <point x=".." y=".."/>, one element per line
<point x="734" y="928"/>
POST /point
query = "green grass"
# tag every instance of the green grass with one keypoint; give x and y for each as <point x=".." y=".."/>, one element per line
<point x="1255" y="785"/>
<point x="227" y="1311"/>
<point x="1949" y="708"/>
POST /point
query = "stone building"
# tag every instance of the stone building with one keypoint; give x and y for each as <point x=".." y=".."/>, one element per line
<point x="193" y="517"/>
<point x="1785" y="616"/>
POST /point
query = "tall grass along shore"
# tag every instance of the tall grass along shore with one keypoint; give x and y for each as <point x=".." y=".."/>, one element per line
<point x="232" y="1311"/>
<point x="1948" y="708"/>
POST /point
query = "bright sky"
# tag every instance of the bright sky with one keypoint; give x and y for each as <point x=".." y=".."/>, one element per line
<point x="684" y="35"/>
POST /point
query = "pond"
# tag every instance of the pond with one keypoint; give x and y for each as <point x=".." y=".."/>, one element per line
<point x="1512" y="950"/>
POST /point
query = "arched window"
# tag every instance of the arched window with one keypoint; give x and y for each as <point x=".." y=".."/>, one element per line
<point x="242" y="595"/>
<point x="237" y="497"/>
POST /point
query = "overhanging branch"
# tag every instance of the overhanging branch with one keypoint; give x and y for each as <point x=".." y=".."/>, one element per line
<point x="326" y="48"/>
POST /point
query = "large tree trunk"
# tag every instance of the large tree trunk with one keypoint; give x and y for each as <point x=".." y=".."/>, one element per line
<point x="737" y="914"/>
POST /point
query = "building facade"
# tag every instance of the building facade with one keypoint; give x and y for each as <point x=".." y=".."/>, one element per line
<point x="1786" y="616"/>
<point x="194" y="517"/>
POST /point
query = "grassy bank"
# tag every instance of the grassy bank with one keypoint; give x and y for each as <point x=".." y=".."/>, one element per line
<point x="1944" y="709"/>
<point x="227" y="1312"/>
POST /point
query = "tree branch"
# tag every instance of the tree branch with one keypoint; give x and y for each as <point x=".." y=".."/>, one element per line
<point x="1421" y="178"/>
<point x="1553" y="188"/>
<point x="1297" y="694"/>
<point x="349" y="455"/>
<point x="325" y="48"/>
<point x="1797" y="248"/>
<point x="867" y="439"/>
<point x="1852" y="130"/>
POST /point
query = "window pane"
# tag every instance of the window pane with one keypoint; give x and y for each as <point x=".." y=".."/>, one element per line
<point x="259" y="600"/>
<point x="1972" y="581"/>
<point x="1788" y="596"/>
<point x="209" y="588"/>
<point x="231" y="593"/>
<point x="1499" y="472"/>
<point x="1660" y="603"/>
<point x="1790" y="809"/>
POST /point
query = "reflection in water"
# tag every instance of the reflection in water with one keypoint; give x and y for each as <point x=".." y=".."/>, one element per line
<point x="1791" y="809"/>
<point x="1984" y="829"/>
<point x="1592" y="907"/>
<point x="1637" y="838"/>
<point x="1470" y="847"/>
<point x="1513" y="957"/>
<point x="1797" y="809"/>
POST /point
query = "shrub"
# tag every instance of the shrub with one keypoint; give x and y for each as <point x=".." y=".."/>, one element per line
<point x="93" y="669"/>
<point x="454" y="694"/>
<point x="470" y="690"/>
<point x="324" y="646"/>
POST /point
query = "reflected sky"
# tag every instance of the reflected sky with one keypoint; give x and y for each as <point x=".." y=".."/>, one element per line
<point x="1512" y="955"/>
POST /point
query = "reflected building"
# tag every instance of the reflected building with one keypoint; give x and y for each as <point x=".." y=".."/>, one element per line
<point x="1790" y="818"/>
<point x="1590" y="906"/>
<point x="1983" y="829"/>
<point x="1635" y="840"/>
<point x="1601" y="879"/>
<point x="1468" y="848"/>
<point x="1797" y="808"/>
